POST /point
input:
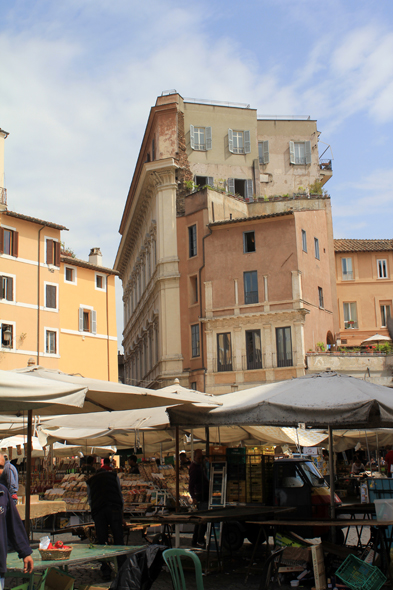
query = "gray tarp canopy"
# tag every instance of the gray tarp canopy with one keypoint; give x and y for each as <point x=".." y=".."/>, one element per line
<point x="320" y="400"/>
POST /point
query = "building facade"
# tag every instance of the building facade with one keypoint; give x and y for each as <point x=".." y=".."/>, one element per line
<point x="211" y="183"/>
<point x="364" y="272"/>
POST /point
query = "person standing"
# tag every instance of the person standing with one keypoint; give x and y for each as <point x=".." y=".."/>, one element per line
<point x="12" y="532"/>
<point x="88" y="468"/>
<point x="133" y="463"/>
<point x="9" y="477"/>
<point x="199" y="491"/>
<point x="389" y="460"/>
<point x="106" y="505"/>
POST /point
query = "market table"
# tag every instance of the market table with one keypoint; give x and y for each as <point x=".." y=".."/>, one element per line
<point x="42" y="508"/>
<point x="82" y="553"/>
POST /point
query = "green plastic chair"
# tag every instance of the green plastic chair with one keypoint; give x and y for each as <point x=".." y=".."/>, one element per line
<point x="172" y="558"/>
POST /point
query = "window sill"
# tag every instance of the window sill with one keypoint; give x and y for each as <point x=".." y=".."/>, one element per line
<point x="52" y="309"/>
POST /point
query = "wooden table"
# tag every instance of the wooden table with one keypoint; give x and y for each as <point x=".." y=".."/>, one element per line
<point x="43" y="508"/>
<point x="81" y="553"/>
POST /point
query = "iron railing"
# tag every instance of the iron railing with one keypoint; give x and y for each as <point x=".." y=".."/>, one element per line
<point x="3" y="196"/>
<point x="325" y="164"/>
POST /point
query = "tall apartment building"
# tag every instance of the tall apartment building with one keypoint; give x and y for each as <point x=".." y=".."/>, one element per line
<point x="55" y="310"/>
<point x="364" y="271"/>
<point x="226" y="259"/>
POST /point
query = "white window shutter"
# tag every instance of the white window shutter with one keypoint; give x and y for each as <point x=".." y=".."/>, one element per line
<point x="231" y="186"/>
<point x="208" y="138"/>
<point x="265" y="151"/>
<point x="292" y="152"/>
<point x="81" y="319"/>
<point x="307" y="151"/>
<point x="210" y="181"/>
<point x="247" y="142"/>
<point x="249" y="192"/>
<point x="192" y="142"/>
<point x="230" y="140"/>
<point x="93" y="322"/>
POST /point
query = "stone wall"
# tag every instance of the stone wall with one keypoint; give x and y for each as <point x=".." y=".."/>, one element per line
<point x="376" y="368"/>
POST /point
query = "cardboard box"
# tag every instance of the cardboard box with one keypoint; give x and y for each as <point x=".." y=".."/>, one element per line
<point x="318" y="565"/>
<point x="54" y="579"/>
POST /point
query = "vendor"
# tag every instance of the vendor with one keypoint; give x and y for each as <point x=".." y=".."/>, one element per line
<point x="199" y="492"/>
<point x="88" y="467"/>
<point x="357" y="466"/>
<point x="133" y="463"/>
<point x="184" y="462"/>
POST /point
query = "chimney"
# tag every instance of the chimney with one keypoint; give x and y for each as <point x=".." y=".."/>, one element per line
<point x="95" y="257"/>
<point x="3" y="190"/>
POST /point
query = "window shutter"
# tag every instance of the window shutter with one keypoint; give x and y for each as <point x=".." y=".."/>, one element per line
<point x="265" y="152"/>
<point x="230" y="140"/>
<point x="15" y="243"/>
<point x="208" y="138"/>
<point x="57" y="253"/>
<point x="192" y="142"/>
<point x="249" y="188"/>
<point x="231" y="186"/>
<point x="81" y="319"/>
<point x="1" y="240"/>
<point x="247" y="142"/>
<point x="210" y="181"/>
<point x="10" y="289"/>
<point x="93" y="322"/>
<point x="49" y="251"/>
<point x="2" y="287"/>
<point x="292" y="152"/>
<point x="307" y="150"/>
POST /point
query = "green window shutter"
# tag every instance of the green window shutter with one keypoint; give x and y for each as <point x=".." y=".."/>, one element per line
<point x="81" y="319"/>
<point x="230" y="140"/>
<point x="249" y="189"/>
<point x="208" y="138"/>
<point x="265" y="148"/>
<point x="192" y="142"/>
<point x="247" y="142"/>
<point x="93" y="322"/>
<point x="231" y="186"/>
<point x="292" y="152"/>
<point x="210" y="181"/>
<point x="307" y="151"/>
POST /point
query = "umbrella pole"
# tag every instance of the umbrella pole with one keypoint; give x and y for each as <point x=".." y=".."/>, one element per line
<point x="368" y="450"/>
<point x="177" y="461"/>
<point x="28" y="470"/>
<point x="192" y="444"/>
<point x="378" y="457"/>
<point x="207" y="438"/>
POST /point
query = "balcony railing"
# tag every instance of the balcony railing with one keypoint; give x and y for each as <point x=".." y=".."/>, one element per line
<point x="348" y="276"/>
<point x="325" y="164"/>
<point x="350" y="325"/>
<point x="265" y="361"/>
<point x="250" y="364"/>
<point x="250" y="297"/>
<point x="3" y="196"/>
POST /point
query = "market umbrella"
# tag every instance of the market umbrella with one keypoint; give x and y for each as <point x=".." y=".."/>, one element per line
<point x="59" y="449"/>
<point x="376" y="338"/>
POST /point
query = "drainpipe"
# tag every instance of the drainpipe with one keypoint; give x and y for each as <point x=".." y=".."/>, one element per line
<point x="107" y="326"/>
<point x="38" y="293"/>
<point x="200" y="307"/>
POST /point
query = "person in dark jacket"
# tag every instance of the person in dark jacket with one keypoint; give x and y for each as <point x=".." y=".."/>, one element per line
<point x="133" y="463"/>
<point x="9" y="477"/>
<point x="198" y="487"/>
<point x="106" y="505"/>
<point x="88" y="467"/>
<point x="12" y="532"/>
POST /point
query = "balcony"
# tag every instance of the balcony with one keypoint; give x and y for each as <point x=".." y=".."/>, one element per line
<point x="222" y="366"/>
<point x="351" y="325"/>
<point x="348" y="276"/>
<point x="252" y="363"/>
<point x="3" y="196"/>
<point x="326" y="170"/>
<point x="250" y="297"/>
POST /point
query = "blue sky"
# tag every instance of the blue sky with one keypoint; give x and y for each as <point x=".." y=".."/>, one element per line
<point x="77" y="80"/>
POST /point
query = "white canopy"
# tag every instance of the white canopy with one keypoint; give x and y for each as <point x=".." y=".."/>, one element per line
<point x="377" y="338"/>
<point x="59" y="449"/>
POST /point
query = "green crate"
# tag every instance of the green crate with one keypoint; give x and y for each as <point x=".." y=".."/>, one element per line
<point x="360" y="575"/>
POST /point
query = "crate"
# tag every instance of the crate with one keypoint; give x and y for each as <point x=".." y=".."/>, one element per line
<point x="236" y="456"/>
<point x="384" y="509"/>
<point x="359" y="575"/>
<point x="217" y="450"/>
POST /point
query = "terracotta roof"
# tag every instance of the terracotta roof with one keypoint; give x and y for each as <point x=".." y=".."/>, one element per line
<point x="255" y="217"/>
<point x="83" y="264"/>
<point x="362" y="245"/>
<point x="34" y="220"/>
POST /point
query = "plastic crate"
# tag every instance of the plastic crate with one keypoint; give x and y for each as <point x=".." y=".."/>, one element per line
<point x="359" y="575"/>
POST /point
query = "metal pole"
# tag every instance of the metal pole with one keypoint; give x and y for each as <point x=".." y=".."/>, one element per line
<point x="28" y="470"/>
<point x="368" y="450"/>
<point x="332" y="486"/>
<point x="177" y="461"/>
<point x="143" y="444"/>
<point x="378" y="457"/>
<point x="192" y="444"/>
<point x="207" y="438"/>
<point x="160" y="453"/>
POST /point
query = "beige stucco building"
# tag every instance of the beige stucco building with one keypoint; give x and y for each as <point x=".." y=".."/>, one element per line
<point x="364" y="271"/>
<point x="223" y="251"/>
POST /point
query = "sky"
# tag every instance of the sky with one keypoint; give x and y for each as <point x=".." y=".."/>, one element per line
<point x="78" y="78"/>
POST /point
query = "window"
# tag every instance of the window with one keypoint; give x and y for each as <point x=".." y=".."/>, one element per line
<point x="87" y="320"/>
<point x="195" y="341"/>
<point x="239" y="142"/>
<point x="100" y="281"/>
<point x="385" y="315"/>
<point x="193" y="385"/>
<point x="304" y="240"/>
<point x="263" y="150"/>
<point x="284" y="347"/>
<point x="350" y="316"/>
<point x="50" y="342"/>
<point x="7" y="288"/>
<point x="9" y="241"/>
<point x="201" y="181"/>
<point x="224" y="352"/>
<point x="253" y="349"/>
<point x="289" y="475"/>
<point x="7" y="336"/>
<point x="382" y="269"/>
<point x="51" y="296"/>
<point x="300" y="152"/>
<point x="70" y="274"/>
<point x="320" y="297"/>
<point x="250" y="287"/>
<point x="52" y="252"/>
<point x="346" y="266"/>
<point x="316" y="247"/>
<point x="240" y="186"/>
<point x="192" y="241"/>
<point x="200" y="138"/>
<point x="193" y="290"/>
<point x="248" y="241"/>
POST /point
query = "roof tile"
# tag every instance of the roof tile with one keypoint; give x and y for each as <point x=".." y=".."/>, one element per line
<point x="346" y="245"/>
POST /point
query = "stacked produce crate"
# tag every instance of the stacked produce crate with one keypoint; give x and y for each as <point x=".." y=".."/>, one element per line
<point x="259" y="473"/>
<point x="236" y="475"/>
